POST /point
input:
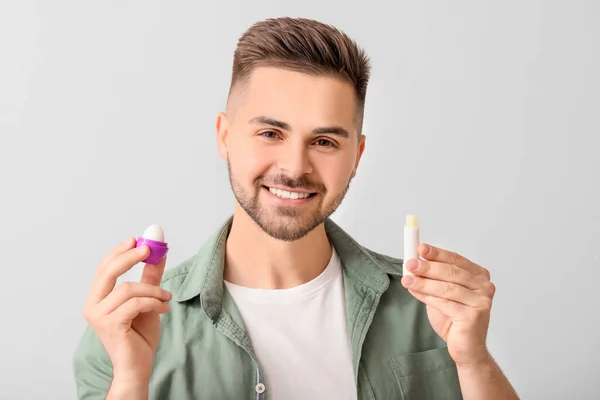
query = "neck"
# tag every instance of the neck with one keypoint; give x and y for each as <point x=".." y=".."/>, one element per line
<point x="255" y="259"/>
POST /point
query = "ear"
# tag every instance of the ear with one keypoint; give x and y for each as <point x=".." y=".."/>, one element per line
<point x="221" y="128"/>
<point x="359" y="152"/>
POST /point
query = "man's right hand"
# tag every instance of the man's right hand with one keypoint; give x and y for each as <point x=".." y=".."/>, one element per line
<point x="126" y="319"/>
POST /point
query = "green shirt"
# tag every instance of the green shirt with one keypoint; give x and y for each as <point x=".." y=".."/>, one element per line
<point x="206" y="353"/>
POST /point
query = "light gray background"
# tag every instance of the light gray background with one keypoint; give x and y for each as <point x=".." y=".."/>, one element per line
<point x="482" y="119"/>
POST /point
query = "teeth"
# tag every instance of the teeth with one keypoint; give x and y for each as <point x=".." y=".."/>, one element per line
<point x="284" y="194"/>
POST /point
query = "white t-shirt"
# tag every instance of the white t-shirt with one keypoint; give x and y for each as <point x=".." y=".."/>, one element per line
<point x="300" y="337"/>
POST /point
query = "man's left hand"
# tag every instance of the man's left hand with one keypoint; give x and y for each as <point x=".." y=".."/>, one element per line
<point x="458" y="294"/>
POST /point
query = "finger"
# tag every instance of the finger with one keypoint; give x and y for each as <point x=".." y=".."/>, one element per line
<point x="454" y="310"/>
<point x="106" y="279"/>
<point x="445" y="290"/>
<point x="137" y="305"/>
<point x="121" y="248"/>
<point x="445" y="272"/>
<point x="432" y="253"/>
<point x="152" y="274"/>
<point x="129" y="290"/>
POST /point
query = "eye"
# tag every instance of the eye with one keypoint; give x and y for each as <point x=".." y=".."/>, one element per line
<point x="325" y="143"/>
<point x="269" y="134"/>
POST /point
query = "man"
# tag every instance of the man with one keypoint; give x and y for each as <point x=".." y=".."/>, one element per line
<point x="281" y="303"/>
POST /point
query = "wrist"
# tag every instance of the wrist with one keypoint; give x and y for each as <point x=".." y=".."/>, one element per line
<point x="483" y="361"/>
<point x="128" y="388"/>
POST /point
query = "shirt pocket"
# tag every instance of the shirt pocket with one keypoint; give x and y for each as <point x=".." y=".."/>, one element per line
<point x="427" y="375"/>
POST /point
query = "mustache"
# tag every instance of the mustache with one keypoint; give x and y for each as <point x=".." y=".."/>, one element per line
<point x="302" y="182"/>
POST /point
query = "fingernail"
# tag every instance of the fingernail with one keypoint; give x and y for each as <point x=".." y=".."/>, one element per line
<point x="408" y="280"/>
<point x="166" y="293"/>
<point x="141" y="249"/>
<point x="412" y="264"/>
<point x="426" y="249"/>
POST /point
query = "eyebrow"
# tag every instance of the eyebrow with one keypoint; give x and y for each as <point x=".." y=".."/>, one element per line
<point x="333" y="130"/>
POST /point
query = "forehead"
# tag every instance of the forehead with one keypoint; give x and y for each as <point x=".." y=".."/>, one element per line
<point x="298" y="98"/>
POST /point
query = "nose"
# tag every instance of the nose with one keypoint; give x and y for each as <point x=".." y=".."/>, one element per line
<point x="294" y="159"/>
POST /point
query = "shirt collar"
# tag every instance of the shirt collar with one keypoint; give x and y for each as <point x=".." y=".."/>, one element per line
<point x="205" y="277"/>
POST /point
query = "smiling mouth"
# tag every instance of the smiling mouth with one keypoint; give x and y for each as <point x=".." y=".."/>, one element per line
<point x="284" y="194"/>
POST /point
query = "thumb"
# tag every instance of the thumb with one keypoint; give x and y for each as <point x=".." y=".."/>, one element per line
<point x="152" y="274"/>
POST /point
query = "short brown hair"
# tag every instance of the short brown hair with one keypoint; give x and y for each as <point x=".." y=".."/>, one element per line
<point x="302" y="45"/>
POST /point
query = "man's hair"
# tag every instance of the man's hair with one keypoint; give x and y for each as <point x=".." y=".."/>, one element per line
<point x="302" y="45"/>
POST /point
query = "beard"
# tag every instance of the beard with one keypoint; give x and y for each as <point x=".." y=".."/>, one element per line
<point x="286" y="223"/>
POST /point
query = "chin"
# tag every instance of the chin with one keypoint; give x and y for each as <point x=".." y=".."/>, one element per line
<point x="287" y="226"/>
<point x="285" y="232"/>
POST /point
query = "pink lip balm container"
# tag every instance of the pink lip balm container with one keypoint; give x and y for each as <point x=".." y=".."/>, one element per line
<point x="154" y="238"/>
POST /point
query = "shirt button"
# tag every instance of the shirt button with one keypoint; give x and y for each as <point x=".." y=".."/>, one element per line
<point x="260" y="388"/>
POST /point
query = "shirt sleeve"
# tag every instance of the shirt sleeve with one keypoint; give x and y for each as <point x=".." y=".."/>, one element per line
<point x="92" y="367"/>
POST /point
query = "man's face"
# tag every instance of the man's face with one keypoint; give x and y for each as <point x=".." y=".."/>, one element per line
<point x="292" y="147"/>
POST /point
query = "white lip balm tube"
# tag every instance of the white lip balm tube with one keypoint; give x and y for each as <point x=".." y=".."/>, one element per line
<point x="411" y="241"/>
